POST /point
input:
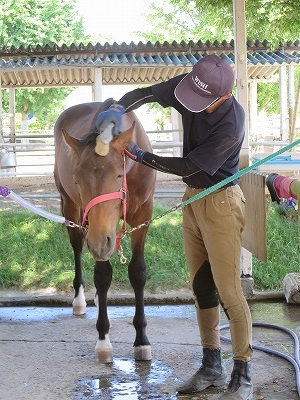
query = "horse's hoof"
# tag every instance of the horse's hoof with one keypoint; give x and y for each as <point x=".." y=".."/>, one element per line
<point x="79" y="303"/>
<point x="79" y="310"/>
<point x="104" y="357"/>
<point x="104" y="351"/>
<point x="142" y="353"/>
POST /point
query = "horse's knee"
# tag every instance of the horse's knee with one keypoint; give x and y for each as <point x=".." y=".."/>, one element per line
<point x="102" y="276"/>
<point x="137" y="273"/>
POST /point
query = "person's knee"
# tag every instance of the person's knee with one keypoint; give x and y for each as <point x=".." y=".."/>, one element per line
<point x="204" y="287"/>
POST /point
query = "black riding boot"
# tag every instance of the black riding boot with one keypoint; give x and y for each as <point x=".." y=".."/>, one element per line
<point x="211" y="373"/>
<point x="240" y="386"/>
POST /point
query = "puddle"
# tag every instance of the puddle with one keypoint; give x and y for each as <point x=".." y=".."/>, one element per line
<point x="277" y="313"/>
<point x="127" y="379"/>
<point x="34" y="314"/>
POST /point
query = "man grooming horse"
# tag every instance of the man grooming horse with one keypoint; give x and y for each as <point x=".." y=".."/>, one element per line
<point x="213" y="132"/>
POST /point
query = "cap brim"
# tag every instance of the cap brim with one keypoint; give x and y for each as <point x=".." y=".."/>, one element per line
<point x="191" y="100"/>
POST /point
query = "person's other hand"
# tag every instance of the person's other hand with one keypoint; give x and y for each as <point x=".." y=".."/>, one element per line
<point x="112" y="115"/>
<point x="134" y="152"/>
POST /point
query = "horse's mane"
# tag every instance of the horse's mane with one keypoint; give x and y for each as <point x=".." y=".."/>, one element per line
<point x="93" y="131"/>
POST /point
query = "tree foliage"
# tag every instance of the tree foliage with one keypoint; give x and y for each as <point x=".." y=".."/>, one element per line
<point x="275" y="20"/>
<point x="33" y="22"/>
<point x="39" y="22"/>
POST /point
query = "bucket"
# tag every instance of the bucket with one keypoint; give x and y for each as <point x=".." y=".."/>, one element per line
<point x="8" y="159"/>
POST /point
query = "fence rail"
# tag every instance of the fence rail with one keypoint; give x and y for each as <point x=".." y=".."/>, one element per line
<point x="34" y="153"/>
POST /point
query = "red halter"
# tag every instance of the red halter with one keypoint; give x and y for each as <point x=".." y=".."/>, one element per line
<point x="122" y="194"/>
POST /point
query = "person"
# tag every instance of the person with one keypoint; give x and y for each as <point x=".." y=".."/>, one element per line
<point x="282" y="187"/>
<point x="213" y="132"/>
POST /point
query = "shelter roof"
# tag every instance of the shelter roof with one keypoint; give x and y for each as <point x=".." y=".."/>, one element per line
<point x="75" y="65"/>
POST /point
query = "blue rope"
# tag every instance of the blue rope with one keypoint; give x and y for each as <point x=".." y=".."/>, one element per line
<point x="237" y="174"/>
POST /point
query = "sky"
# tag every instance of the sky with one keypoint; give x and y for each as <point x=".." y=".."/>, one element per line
<point x="116" y="20"/>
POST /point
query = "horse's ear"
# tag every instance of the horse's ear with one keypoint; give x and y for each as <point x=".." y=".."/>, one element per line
<point x="72" y="142"/>
<point x="121" y="141"/>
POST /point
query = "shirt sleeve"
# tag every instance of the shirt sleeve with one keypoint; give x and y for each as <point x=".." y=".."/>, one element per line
<point x="136" y="98"/>
<point x="181" y="166"/>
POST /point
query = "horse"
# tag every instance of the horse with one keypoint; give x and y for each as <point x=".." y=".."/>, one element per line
<point x="103" y="189"/>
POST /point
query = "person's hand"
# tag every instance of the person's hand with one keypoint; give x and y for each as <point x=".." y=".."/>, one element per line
<point x="134" y="152"/>
<point x="112" y="115"/>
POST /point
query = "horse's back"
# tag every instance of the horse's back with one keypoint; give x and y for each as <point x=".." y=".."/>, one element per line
<point x="78" y="119"/>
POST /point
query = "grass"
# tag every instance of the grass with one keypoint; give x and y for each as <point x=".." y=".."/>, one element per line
<point x="35" y="253"/>
<point x="283" y="249"/>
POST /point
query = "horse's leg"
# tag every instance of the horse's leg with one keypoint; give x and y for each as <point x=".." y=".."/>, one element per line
<point x="76" y="236"/>
<point x="79" y="303"/>
<point x="102" y="280"/>
<point x="137" y="271"/>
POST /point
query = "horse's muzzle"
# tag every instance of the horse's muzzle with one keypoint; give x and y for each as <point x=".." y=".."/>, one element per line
<point x="103" y="248"/>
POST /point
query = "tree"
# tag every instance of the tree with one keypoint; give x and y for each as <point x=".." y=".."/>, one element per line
<point x="213" y="20"/>
<point x="39" y="22"/>
<point x="277" y="21"/>
<point x="33" y="22"/>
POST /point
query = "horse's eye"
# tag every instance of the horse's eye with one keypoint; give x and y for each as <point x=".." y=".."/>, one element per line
<point x="119" y="176"/>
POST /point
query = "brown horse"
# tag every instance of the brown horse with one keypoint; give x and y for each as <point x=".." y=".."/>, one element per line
<point x="81" y="175"/>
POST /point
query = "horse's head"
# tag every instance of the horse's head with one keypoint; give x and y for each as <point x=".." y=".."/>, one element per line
<point x="96" y="175"/>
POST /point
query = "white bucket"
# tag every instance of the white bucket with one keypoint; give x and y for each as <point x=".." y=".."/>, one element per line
<point x="8" y="159"/>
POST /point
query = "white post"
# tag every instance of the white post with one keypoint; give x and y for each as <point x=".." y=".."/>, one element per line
<point x="1" y="116"/>
<point x="240" y="50"/>
<point x="177" y="127"/>
<point x="253" y="109"/>
<point x="97" y="85"/>
<point x="12" y="113"/>
<point x="291" y="99"/>
<point x="284" y="129"/>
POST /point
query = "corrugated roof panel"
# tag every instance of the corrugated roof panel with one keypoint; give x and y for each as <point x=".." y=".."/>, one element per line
<point x="167" y="60"/>
<point x="141" y="63"/>
<point x="141" y="59"/>
<point x="179" y="59"/>
<point x="251" y="59"/>
<point x="227" y="58"/>
<point x="284" y="57"/>
<point x="260" y="58"/>
<point x="123" y="59"/>
<point x="131" y="59"/>
<point x="158" y="59"/>
<point x="267" y="57"/>
<point x="150" y="59"/>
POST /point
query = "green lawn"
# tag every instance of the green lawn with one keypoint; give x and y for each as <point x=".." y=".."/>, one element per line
<point x="35" y="253"/>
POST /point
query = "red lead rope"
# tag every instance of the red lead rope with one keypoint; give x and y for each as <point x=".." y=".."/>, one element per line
<point x="122" y="194"/>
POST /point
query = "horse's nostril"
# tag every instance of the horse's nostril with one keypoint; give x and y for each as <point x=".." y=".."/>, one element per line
<point x="108" y="242"/>
<point x="102" y="248"/>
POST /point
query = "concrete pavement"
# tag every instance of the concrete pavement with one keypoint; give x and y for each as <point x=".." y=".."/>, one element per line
<point x="47" y="353"/>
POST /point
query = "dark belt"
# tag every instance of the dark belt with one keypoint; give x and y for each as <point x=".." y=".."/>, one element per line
<point x="202" y="188"/>
<point x="195" y="187"/>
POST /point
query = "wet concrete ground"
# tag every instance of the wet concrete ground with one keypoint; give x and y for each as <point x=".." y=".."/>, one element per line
<point x="47" y="353"/>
